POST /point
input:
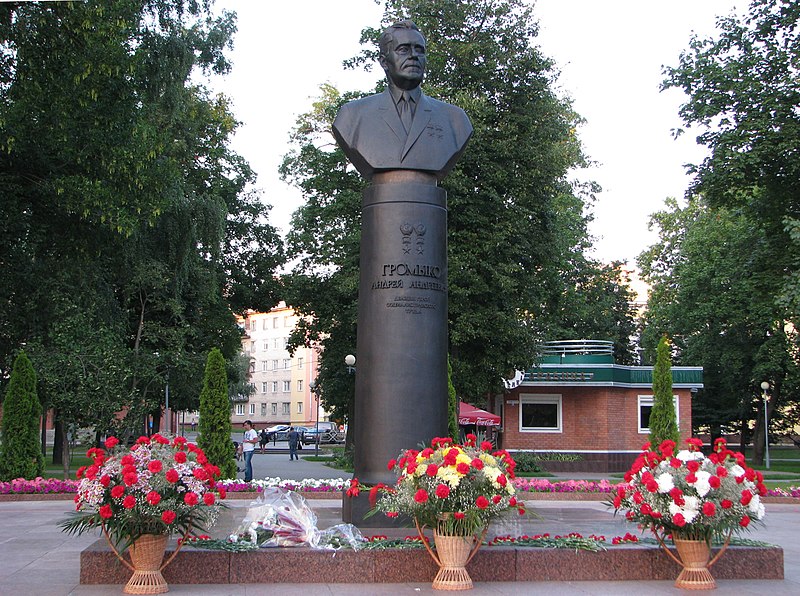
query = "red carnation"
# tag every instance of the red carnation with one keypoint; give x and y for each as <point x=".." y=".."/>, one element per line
<point x="431" y="470"/>
<point x="91" y="472"/>
<point x="459" y="515"/>
<point x="747" y="496"/>
<point x="143" y="440"/>
<point x="392" y="463"/>
<point x="153" y="497"/>
<point x="442" y="491"/>
<point x="127" y="460"/>
<point x="693" y="465"/>
<point x="172" y="475"/>
<point x="391" y="514"/>
<point x="502" y="480"/>
<point x="638" y="498"/>
<point x="679" y="520"/>
<point x="726" y="504"/>
<point x="222" y="493"/>
<point x="477" y="463"/>
<point x="180" y="457"/>
<point x="129" y="502"/>
<point x="200" y="474"/>
<point x="208" y="498"/>
<point x="106" y="512"/>
<point x="462" y="468"/>
<point x="105" y="480"/>
<point x="709" y="509"/>
<point x="117" y="491"/>
<point x="745" y="521"/>
<point x="482" y="502"/>
<point x="190" y="498"/>
<point x="486" y="446"/>
<point x="111" y="442"/>
<point x="674" y="462"/>
<point x="130" y="479"/>
<point x="168" y="516"/>
<point x="421" y="496"/>
<point x="496" y="499"/>
<point x="411" y="467"/>
<point x="154" y="466"/>
<point x="646" y="509"/>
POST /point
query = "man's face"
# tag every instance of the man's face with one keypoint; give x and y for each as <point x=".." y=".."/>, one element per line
<point x="405" y="61"/>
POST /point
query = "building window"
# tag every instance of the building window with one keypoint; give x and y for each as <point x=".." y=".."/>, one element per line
<point x="299" y="407"/>
<point x="240" y="409"/>
<point x="252" y="346"/>
<point x="274" y="322"/>
<point x="275" y="408"/>
<point x="274" y="386"/>
<point x="252" y="366"/>
<point x="252" y="409"/>
<point x="252" y="324"/>
<point x="274" y="365"/>
<point x="264" y="365"/>
<point x="287" y="386"/>
<point x="286" y="408"/>
<point x="646" y="407"/>
<point x="300" y="363"/>
<point x="266" y="345"/>
<point x="263" y="387"/>
<point x="540" y="413"/>
<point x="264" y="325"/>
<point x="275" y="343"/>
<point x="287" y="321"/>
<point x="263" y="407"/>
<point x="299" y="385"/>
<point x="287" y="363"/>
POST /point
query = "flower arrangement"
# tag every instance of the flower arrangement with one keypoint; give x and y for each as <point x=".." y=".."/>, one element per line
<point x="689" y="495"/>
<point x="456" y="488"/>
<point x="155" y="487"/>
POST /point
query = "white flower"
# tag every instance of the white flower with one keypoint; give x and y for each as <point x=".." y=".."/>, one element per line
<point x="736" y="470"/>
<point x="701" y="485"/>
<point x="684" y="455"/>
<point x="665" y="483"/>
<point x="691" y="504"/>
<point x="754" y="504"/>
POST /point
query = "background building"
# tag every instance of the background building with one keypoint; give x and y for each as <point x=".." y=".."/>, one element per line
<point x="281" y="381"/>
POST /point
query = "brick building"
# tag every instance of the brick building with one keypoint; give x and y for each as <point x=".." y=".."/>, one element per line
<point x="577" y="401"/>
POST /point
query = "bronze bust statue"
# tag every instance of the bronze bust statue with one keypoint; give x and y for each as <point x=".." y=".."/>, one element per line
<point x="402" y="128"/>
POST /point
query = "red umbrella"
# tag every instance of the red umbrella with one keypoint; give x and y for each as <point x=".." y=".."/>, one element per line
<point x="468" y="414"/>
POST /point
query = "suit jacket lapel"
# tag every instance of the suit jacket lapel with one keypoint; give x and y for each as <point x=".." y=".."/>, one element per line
<point x="390" y="116"/>
<point x="418" y="125"/>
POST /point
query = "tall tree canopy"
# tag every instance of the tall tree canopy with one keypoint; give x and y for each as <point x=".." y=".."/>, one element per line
<point x="743" y="91"/>
<point x="127" y="234"/>
<point x="517" y="224"/>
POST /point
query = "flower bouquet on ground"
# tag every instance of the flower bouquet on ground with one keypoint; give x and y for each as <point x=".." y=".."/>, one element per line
<point x="692" y="498"/>
<point x="454" y="489"/>
<point x="140" y="496"/>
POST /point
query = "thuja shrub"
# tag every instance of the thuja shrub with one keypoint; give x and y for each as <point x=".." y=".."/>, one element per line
<point x="663" y="423"/>
<point x="214" y="436"/>
<point x="20" y="449"/>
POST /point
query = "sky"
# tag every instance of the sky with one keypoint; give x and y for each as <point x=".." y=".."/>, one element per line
<point x="610" y="55"/>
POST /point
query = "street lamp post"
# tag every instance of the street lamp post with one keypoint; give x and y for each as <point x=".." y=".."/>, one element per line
<point x="764" y="388"/>
<point x="350" y="361"/>
<point x="314" y="386"/>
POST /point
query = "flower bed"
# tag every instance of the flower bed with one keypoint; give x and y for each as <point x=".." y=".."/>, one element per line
<point x="334" y="487"/>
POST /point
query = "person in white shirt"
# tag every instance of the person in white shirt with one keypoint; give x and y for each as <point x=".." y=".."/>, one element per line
<point x="248" y="449"/>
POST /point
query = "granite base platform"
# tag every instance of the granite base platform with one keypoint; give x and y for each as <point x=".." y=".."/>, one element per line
<point x="495" y="564"/>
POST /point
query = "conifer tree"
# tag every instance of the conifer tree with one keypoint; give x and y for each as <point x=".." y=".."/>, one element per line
<point x="215" y="416"/>
<point x="20" y="450"/>
<point x="663" y="424"/>
<point x="452" y="405"/>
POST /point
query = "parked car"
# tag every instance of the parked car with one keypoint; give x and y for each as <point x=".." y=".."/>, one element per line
<point x="279" y="432"/>
<point x="328" y="432"/>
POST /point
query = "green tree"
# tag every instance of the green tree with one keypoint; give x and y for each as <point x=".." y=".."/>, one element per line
<point x="712" y="291"/>
<point x="663" y="423"/>
<point x="515" y="219"/>
<point x="214" y="436"/>
<point x="20" y="453"/>
<point x="452" y="405"/>
<point x="123" y="203"/>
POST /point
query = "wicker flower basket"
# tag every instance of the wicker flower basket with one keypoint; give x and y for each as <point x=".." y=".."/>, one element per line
<point x="693" y="557"/>
<point x="147" y="563"/>
<point x="451" y="555"/>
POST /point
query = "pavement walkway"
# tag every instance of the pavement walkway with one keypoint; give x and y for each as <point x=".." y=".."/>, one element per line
<point x="37" y="558"/>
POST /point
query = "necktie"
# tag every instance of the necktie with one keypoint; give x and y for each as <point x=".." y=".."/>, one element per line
<point x="405" y="111"/>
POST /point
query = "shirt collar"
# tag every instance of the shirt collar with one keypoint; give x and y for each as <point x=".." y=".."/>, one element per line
<point x="397" y="93"/>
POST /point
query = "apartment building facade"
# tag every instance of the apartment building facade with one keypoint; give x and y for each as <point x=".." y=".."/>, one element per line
<point x="282" y="381"/>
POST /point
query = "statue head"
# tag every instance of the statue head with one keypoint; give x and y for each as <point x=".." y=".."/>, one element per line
<point x="402" y="54"/>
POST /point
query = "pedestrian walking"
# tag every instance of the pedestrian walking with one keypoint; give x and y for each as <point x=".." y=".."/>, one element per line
<point x="263" y="439"/>
<point x="294" y="441"/>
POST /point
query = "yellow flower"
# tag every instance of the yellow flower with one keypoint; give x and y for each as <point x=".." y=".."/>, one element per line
<point x="488" y="459"/>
